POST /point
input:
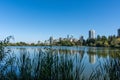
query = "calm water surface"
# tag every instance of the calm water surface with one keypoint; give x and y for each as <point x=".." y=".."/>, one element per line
<point x="90" y="56"/>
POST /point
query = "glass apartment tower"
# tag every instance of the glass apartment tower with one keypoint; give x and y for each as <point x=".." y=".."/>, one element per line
<point x="92" y="34"/>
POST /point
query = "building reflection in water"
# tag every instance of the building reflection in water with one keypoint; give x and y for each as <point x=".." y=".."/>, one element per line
<point x="71" y="52"/>
<point x="92" y="55"/>
<point x="92" y="59"/>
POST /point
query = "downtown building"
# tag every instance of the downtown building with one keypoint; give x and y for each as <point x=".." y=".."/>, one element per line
<point x="92" y="34"/>
<point x="51" y="40"/>
<point x="119" y="32"/>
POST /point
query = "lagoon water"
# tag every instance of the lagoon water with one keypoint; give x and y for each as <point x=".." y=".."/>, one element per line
<point x="88" y="57"/>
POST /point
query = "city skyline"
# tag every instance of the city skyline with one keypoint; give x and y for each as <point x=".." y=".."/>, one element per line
<point x="33" y="20"/>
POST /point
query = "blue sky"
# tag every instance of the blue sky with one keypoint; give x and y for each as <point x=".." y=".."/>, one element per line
<point x="33" y="20"/>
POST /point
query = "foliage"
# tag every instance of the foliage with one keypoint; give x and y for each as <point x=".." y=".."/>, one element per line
<point x="65" y="43"/>
<point x="100" y="41"/>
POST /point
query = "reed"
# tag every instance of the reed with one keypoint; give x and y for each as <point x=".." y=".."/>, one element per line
<point x="51" y="64"/>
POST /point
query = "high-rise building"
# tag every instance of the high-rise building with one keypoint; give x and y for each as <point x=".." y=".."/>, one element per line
<point x="81" y="38"/>
<point x="119" y="32"/>
<point x="92" y="34"/>
<point x="60" y="39"/>
<point x="51" y="40"/>
<point x="68" y="37"/>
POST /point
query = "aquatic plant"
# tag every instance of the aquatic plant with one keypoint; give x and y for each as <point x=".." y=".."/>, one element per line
<point x="51" y="64"/>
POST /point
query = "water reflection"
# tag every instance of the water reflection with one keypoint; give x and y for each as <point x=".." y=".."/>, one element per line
<point x="92" y="58"/>
<point x="93" y="53"/>
<point x="52" y="63"/>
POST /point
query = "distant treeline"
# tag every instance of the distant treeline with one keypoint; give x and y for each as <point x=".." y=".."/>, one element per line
<point x="100" y="41"/>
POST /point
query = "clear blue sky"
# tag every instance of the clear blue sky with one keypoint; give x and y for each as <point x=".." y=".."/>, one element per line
<point x="33" y="20"/>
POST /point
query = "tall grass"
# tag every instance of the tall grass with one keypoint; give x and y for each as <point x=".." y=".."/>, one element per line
<point x="110" y="70"/>
<point x="6" y="59"/>
<point x="51" y="64"/>
<point x="45" y="65"/>
<point x="48" y="65"/>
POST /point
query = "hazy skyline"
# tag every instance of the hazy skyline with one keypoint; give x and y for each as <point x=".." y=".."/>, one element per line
<point x="33" y="20"/>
